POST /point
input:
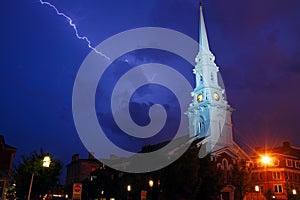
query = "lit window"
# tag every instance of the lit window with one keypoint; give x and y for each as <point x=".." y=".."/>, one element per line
<point x="278" y="188"/>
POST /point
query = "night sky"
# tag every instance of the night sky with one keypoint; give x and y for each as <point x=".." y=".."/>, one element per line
<point x="256" y="44"/>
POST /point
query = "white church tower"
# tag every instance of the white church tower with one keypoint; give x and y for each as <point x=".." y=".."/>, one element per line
<point x="209" y="113"/>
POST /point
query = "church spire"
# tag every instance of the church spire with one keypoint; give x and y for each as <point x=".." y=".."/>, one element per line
<point x="203" y="41"/>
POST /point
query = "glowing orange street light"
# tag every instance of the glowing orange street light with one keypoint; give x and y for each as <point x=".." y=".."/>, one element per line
<point x="266" y="160"/>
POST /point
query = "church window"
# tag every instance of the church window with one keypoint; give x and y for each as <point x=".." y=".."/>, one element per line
<point x="211" y="77"/>
<point x="201" y="126"/>
<point x="201" y="78"/>
<point x="225" y="164"/>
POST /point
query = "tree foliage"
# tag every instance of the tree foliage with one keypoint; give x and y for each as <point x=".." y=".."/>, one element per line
<point x="43" y="179"/>
<point x="191" y="178"/>
<point x="240" y="179"/>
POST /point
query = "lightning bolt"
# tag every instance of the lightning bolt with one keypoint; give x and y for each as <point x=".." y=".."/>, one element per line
<point x="75" y="28"/>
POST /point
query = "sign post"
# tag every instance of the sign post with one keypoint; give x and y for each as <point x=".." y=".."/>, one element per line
<point x="77" y="190"/>
<point x="143" y="195"/>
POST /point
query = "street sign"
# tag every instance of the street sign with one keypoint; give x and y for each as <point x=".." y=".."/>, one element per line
<point x="143" y="195"/>
<point x="77" y="189"/>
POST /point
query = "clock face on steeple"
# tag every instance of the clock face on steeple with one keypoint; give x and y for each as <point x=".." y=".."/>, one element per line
<point x="200" y="97"/>
<point x="216" y="96"/>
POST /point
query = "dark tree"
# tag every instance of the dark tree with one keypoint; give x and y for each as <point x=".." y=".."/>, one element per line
<point x="43" y="179"/>
<point x="191" y="178"/>
<point x="210" y="179"/>
<point x="241" y="179"/>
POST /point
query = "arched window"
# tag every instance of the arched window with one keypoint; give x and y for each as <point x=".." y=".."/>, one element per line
<point x="219" y="166"/>
<point x="225" y="167"/>
<point x="225" y="163"/>
<point x="201" y="125"/>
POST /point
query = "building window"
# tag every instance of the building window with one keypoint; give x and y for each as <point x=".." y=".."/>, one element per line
<point x="297" y="164"/>
<point x="278" y="188"/>
<point x="219" y="166"/>
<point x="275" y="162"/>
<point x="261" y="189"/>
<point x="286" y="175"/>
<point x="1" y="188"/>
<point x="276" y="175"/>
<point x="291" y="175"/>
<point x="260" y="176"/>
<point x="289" y="163"/>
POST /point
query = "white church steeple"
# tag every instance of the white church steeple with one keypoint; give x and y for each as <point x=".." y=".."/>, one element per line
<point x="209" y="113"/>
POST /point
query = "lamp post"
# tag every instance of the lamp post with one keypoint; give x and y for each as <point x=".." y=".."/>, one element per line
<point x="46" y="163"/>
<point x="128" y="190"/>
<point x="266" y="160"/>
<point x="151" y="184"/>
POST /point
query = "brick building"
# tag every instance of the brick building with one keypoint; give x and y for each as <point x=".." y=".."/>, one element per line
<point x="276" y="172"/>
<point x="6" y="157"/>
<point x="79" y="169"/>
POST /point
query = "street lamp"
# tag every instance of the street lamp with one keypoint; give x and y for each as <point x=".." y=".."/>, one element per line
<point x="46" y="163"/>
<point x="128" y="188"/>
<point x="266" y="160"/>
<point x="151" y="183"/>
